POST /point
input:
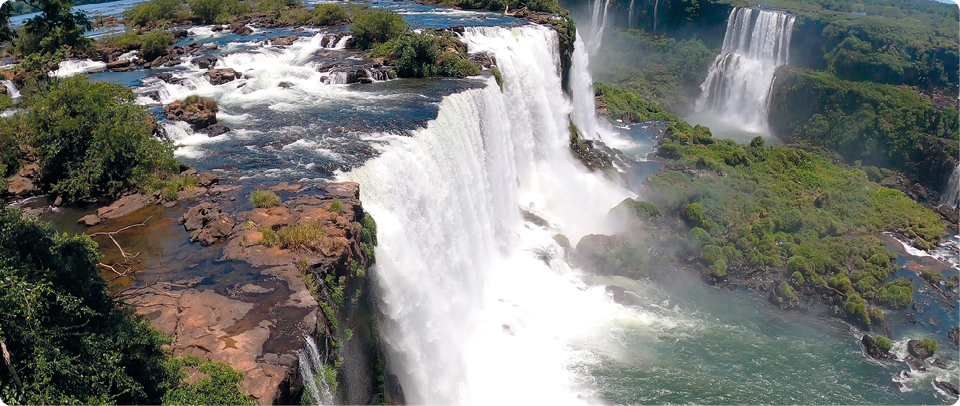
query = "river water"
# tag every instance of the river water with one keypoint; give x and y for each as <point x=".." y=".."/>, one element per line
<point x="479" y="305"/>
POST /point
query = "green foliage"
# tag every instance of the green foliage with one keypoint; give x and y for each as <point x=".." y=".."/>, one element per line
<point x="497" y="76"/>
<point x="628" y="105"/>
<point x="720" y="268"/>
<point x="641" y="209"/>
<point x="93" y="140"/>
<point x="219" y="384"/>
<point x="372" y="27"/>
<point x="928" y="344"/>
<point x="303" y="237"/>
<point x="931" y="276"/>
<point x="787" y="291"/>
<point x="797" y="278"/>
<point x="154" y="12"/>
<point x="884" y="343"/>
<point x="330" y="14"/>
<point x="13" y="136"/>
<point x="336" y="206"/>
<point x="549" y="6"/>
<point x="897" y="294"/>
<point x="207" y="10"/>
<point x="429" y="53"/>
<point x="69" y="341"/>
<point x="663" y="70"/>
<point x="856" y="307"/>
<point x="264" y="199"/>
<point x="57" y="26"/>
<point x="155" y="43"/>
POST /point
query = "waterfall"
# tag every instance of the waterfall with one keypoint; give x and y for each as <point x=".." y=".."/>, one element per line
<point x="738" y="85"/>
<point x="12" y="90"/>
<point x="656" y="5"/>
<point x="584" y="105"/>
<point x="479" y="306"/>
<point x="630" y="15"/>
<point x="313" y="373"/>
<point x="598" y="23"/>
<point x="951" y="195"/>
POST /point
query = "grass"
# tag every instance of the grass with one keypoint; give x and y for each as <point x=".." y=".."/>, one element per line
<point x="264" y="199"/>
<point x="304" y="237"/>
<point x="884" y="343"/>
<point x="336" y="206"/>
<point x="195" y="103"/>
<point x="929" y="344"/>
<point x="171" y="188"/>
<point x="330" y="14"/>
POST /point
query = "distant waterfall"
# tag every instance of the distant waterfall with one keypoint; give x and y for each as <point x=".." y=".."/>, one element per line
<point x="480" y="306"/>
<point x="314" y="377"/>
<point x="630" y="15"/>
<point x="656" y="5"/>
<point x="951" y="195"/>
<point x="598" y="22"/>
<point x="738" y="85"/>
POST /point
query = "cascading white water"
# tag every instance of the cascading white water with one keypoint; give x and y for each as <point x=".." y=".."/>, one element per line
<point x="598" y="23"/>
<point x="630" y="15"/>
<point x="76" y="67"/>
<point x="12" y="90"/>
<point x="479" y="306"/>
<point x="951" y="195"/>
<point x="656" y="5"/>
<point x="738" y="85"/>
<point x="311" y="370"/>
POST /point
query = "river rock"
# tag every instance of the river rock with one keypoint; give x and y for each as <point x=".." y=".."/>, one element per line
<point x="240" y="28"/>
<point x="873" y="350"/>
<point x="207" y="179"/>
<point x="954" y="337"/>
<point x="206" y="62"/>
<point x="19" y="186"/>
<point x="123" y="206"/>
<point x="284" y="40"/>
<point x="912" y="318"/>
<point x="221" y="76"/>
<point x="915" y="349"/>
<point x="206" y="223"/>
<point x="123" y="63"/>
<point x="89" y="220"/>
<point x="194" y="114"/>
<point x="215" y="130"/>
<point x="949" y="388"/>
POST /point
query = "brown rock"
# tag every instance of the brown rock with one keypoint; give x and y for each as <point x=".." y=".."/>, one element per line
<point x="19" y="186"/>
<point x="949" y="388"/>
<point x="220" y="76"/>
<point x="273" y="217"/>
<point x="89" y="220"/>
<point x="196" y="114"/>
<point x="30" y="171"/>
<point x="240" y="28"/>
<point x="207" y="179"/>
<point x="123" y="206"/>
<point x="285" y="41"/>
<point x="123" y="63"/>
<point x="214" y="230"/>
<point x="915" y="349"/>
<point x="343" y="190"/>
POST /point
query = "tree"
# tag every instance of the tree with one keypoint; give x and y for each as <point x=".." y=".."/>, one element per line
<point x="377" y="26"/>
<point x="68" y="341"/>
<point x="57" y="26"/>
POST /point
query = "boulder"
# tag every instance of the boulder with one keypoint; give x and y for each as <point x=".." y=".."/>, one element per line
<point x="220" y="76"/>
<point x="30" y="171"/>
<point x="915" y="349"/>
<point x="343" y="190"/>
<point x="207" y="223"/>
<point x="206" y="62"/>
<point x="949" y="388"/>
<point x="215" y="130"/>
<point x="123" y="63"/>
<point x="89" y="220"/>
<point x="240" y="29"/>
<point x="285" y="40"/>
<point x="123" y="206"/>
<point x="207" y="179"/>
<point x="954" y="337"/>
<point x="194" y="114"/>
<point x="873" y="350"/>
<point x="19" y="186"/>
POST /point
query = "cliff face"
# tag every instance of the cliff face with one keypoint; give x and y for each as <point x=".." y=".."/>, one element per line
<point x="308" y="258"/>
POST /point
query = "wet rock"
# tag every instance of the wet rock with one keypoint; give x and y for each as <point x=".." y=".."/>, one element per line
<point x="220" y="76"/>
<point x="954" y="337"/>
<point x="949" y="388"/>
<point x="195" y="114"/>
<point x="123" y="206"/>
<point x="285" y="187"/>
<point x="483" y="59"/>
<point x="285" y="40"/>
<point x="207" y="179"/>
<point x="914" y="363"/>
<point x="917" y="350"/>
<point x="206" y="62"/>
<point x="20" y="186"/>
<point x="240" y="28"/>
<point x="918" y="307"/>
<point x="123" y="63"/>
<point x="939" y="363"/>
<point x="873" y="350"/>
<point x="912" y="318"/>
<point x="89" y="220"/>
<point x="215" y="130"/>
<point x="343" y="190"/>
<point x="206" y="223"/>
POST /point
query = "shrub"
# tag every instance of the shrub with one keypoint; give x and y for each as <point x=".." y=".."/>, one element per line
<point x="330" y="14"/>
<point x="264" y="199"/>
<point x="787" y="291"/>
<point x="884" y="343"/>
<point x="931" y="276"/>
<point x="153" y="12"/>
<point x="929" y="344"/>
<point x="897" y="294"/>
<point x="207" y="10"/>
<point x="219" y="384"/>
<point x="155" y="43"/>
<point x="720" y="268"/>
<point x="372" y="27"/>
<point x="840" y="282"/>
<point x="497" y="76"/>
<point x="336" y="206"/>
<point x="195" y="103"/>
<point x="797" y="278"/>
<point x="231" y="9"/>
<point x="275" y="6"/>
<point x="856" y="307"/>
<point x="305" y="237"/>
<point x="93" y="140"/>
<point x="426" y="54"/>
<point x="693" y="213"/>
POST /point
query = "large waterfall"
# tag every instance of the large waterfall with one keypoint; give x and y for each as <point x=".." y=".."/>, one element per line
<point x="479" y="306"/>
<point x="738" y="85"/>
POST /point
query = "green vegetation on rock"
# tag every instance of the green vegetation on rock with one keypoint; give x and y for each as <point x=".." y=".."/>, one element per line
<point x="426" y="54"/>
<point x="155" y="43"/>
<point x="372" y="27"/>
<point x="897" y="294"/>
<point x="219" y="384"/>
<point x="928" y="344"/>
<point x="264" y="199"/>
<point x="154" y="11"/>
<point x="330" y="14"/>
<point x="884" y="343"/>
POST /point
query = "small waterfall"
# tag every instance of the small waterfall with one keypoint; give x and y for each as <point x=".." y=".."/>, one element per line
<point x="76" y="67"/>
<point x="738" y="85"/>
<point x="951" y="195"/>
<point x="312" y="370"/>
<point x="12" y="90"/>
<point x="656" y="5"/>
<point x="598" y="23"/>
<point x="630" y="15"/>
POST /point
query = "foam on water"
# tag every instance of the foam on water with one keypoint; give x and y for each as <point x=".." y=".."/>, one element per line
<point x="76" y="67"/>
<point x="12" y="90"/>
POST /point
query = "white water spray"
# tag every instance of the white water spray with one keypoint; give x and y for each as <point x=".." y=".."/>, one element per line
<point x="656" y="5"/>
<point x="12" y="90"/>
<point x="311" y="370"/>
<point x="598" y="23"/>
<point x="738" y="85"/>
<point x="951" y="195"/>
<point x="479" y="306"/>
<point x="630" y="15"/>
